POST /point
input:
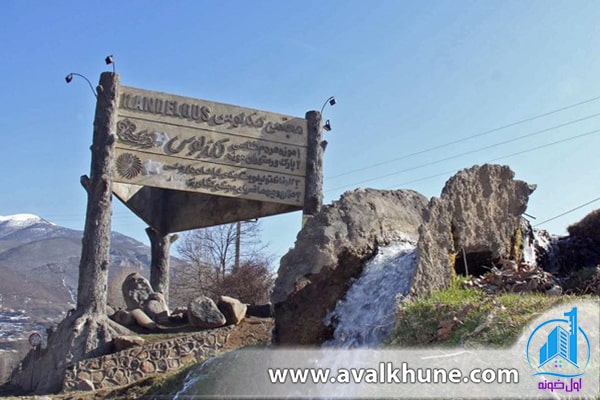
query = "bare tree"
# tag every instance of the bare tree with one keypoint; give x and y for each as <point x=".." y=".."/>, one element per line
<point x="216" y="246"/>
<point x="251" y="282"/>
<point x="213" y="257"/>
<point x="194" y="276"/>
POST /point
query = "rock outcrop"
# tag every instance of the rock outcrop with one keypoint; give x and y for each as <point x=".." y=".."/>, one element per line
<point x="477" y="218"/>
<point x="568" y="254"/>
<point x="588" y="227"/>
<point x="330" y="250"/>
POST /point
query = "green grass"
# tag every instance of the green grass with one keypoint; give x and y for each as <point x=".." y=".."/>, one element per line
<point x="463" y="316"/>
<point x="481" y="319"/>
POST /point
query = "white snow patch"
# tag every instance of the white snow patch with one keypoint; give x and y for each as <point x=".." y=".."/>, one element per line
<point x="21" y="220"/>
<point x="72" y="292"/>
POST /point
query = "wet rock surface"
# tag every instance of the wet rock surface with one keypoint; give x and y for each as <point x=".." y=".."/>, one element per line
<point x="330" y="251"/>
<point x="476" y="221"/>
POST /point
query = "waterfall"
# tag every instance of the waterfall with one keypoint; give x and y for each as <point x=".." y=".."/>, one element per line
<point x="367" y="314"/>
<point x="196" y="375"/>
<point x="529" y="252"/>
<point x="363" y="318"/>
<point x="539" y="247"/>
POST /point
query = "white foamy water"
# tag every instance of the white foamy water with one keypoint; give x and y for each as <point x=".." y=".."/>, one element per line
<point x="363" y="318"/>
<point x="193" y="377"/>
<point x="542" y="243"/>
<point x="529" y="252"/>
<point x="367" y="314"/>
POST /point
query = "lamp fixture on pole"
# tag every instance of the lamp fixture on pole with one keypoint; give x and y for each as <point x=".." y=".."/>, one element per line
<point x="69" y="78"/>
<point x="331" y="102"/>
<point x="110" y="60"/>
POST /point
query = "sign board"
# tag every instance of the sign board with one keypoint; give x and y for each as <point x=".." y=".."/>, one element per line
<point x="35" y="339"/>
<point x="176" y="154"/>
<point x="192" y="145"/>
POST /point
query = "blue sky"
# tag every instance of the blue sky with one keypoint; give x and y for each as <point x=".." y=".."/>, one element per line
<point x="408" y="76"/>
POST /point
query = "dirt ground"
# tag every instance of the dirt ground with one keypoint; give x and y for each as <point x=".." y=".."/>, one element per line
<point x="251" y="330"/>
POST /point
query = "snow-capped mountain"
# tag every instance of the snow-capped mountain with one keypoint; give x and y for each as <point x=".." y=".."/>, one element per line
<point x="31" y="241"/>
<point x="39" y="265"/>
<point x="29" y="227"/>
<point x="20" y="220"/>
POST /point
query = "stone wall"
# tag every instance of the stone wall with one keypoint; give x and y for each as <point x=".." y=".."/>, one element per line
<point x="136" y="363"/>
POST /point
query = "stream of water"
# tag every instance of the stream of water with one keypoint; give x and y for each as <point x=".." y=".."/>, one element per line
<point x="367" y="314"/>
<point x="363" y="318"/>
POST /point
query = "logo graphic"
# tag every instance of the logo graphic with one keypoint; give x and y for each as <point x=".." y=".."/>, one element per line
<point x="559" y="347"/>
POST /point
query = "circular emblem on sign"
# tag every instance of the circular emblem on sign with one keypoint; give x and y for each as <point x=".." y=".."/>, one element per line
<point x="35" y="339"/>
<point x="129" y="165"/>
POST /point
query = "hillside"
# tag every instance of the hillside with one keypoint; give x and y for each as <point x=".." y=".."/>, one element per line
<point x="39" y="264"/>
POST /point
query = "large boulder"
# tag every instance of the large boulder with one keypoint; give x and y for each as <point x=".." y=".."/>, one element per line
<point x="203" y="313"/>
<point x="123" y="317"/>
<point x="477" y="218"/>
<point x="233" y="309"/>
<point x="330" y="251"/>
